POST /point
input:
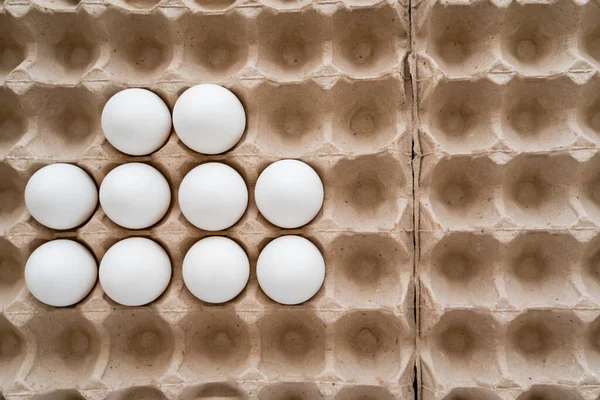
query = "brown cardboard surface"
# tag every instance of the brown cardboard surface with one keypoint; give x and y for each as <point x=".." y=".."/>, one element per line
<point x="324" y="82"/>
<point x="507" y="107"/>
<point x="492" y="106"/>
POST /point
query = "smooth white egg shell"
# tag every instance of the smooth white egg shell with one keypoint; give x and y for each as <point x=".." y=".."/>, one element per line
<point x="289" y="193"/>
<point x="61" y="272"/>
<point x="209" y="119"/>
<point x="290" y="269"/>
<point x="136" y="121"/>
<point x="135" y="271"/>
<point x="213" y="196"/>
<point x="135" y="195"/>
<point x="61" y="196"/>
<point x="216" y="269"/>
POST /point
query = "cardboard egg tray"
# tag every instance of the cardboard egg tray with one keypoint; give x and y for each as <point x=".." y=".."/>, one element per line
<point x="325" y="82"/>
<point x="507" y="107"/>
<point x="458" y="144"/>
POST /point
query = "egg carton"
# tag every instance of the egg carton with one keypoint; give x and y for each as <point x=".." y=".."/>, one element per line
<point x="98" y="42"/>
<point x="324" y="82"/>
<point x="506" y="141"/>
<point x="502" y="39"/>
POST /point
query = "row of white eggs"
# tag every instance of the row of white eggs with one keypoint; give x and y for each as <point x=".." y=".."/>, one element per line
<point x="212" y="196"/>
<point x="207" y="118"/>
<point x="136" y="271"/>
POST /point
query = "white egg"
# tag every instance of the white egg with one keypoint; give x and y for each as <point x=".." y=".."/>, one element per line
<point x="135" y="195"/>
<point x="289" y="193"/>
<point x="136" y="121"/>
<point x="213" y="196"/>
<point x="209" y="119"/>
<point x="61" y="273"/>
<point x="290" y="270"/>
<point x="216" y="269"/>
<point x="61" y="196"/>
<point x="135" y="271"/>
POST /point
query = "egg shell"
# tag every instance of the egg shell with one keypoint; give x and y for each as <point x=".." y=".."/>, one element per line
<point x="289" y="193"/>
<point x="135" y="195"/>
<point x="213" y="196"/>
<point x="135" y="271"/>
<point x="209" y="119"/>
<point x="61" y="272"/>
<point x="216" y="269"/>
<point x="136" y="121"/>
<point x="290" y="269"/>
<point x="61" y="196"/>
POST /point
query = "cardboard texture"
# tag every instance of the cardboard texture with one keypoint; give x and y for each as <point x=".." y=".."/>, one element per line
<point x="457" y="142"/>
<point x="323" y="82"/>
<point x="508" y="111"/>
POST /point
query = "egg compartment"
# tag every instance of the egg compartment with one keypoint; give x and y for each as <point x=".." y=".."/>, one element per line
<point x="459" y="191"/>
<point x="536" y="190"/>
<point x="459" y="37"/>
<point x="14" y="39"/>
<point x="143" y="51"/>
<point x="291" y="45"/>
<point x="537" y="39"/>
<point x="539" y="114"/>
<point x="68" y="44"/>
<point x="369" y="42"/>
<point x="375" y="189"/>
<point x="215" y="46"/>
<point x="99" y="351"/>
<point x="292" y="119"/>
<point x="458" y="268"/>
<point x="66" y="346"/>
<point x="372" y="346"/>
<point x="459" y="116"/>
<point x="373" y="115"/>
<point x="371" y="270"/>
<point x="500" y="39"/>
<point x="293" y="342"/>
